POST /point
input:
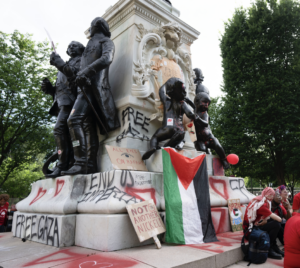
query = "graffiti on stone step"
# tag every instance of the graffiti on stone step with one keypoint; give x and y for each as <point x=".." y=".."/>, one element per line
<point x="39" y="228"/>
<point x="101" y="187"/>
<point x="101" y="195"/>
<point x="238" y="184"/>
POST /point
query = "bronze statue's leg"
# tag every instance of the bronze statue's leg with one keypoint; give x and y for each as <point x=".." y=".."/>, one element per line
<point x="81" y="110"/>
<point x="215" y="144"/>
<point x="61" y="134"/>
<point x="175" y="139"/>
<point x="161" y="134"/>
<point x="90" y="130"/>
<point x="200" y="146"/>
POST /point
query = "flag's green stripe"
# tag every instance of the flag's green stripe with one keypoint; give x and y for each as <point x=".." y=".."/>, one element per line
<point x="174" y="222"/>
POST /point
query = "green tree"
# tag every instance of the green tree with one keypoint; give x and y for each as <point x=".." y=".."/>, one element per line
<point x="260" y="118"/>
<point x="19" y="181"/>
<point x="24" y="118"/>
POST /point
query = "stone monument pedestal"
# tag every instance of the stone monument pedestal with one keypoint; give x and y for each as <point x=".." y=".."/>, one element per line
<point x="107" y="232"/>
<point x="50" y="229"/>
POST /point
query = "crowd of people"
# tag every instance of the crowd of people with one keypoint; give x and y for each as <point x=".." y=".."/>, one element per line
<point x="272" y="212"/>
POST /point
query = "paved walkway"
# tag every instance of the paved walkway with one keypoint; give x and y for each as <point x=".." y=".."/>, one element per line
<point x="14" y="254"/>
<point x="269" y="264"/>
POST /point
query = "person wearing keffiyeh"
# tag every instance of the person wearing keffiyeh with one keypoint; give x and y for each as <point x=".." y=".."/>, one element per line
<point x="257" y="214"/>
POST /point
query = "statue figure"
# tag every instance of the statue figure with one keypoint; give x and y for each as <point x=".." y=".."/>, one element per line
<point x="64" y="95"/>
<point x="198" y="81"/>
<point x="169" y="2"/>
<point x="93" y="96"/>
<point x="173" y="96"/>
<point x="205" y="138"/>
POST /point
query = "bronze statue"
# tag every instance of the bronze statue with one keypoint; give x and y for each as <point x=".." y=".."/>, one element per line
<point x="205" y="138"/>
<point x="198" y="81"/>
<point x="64" y="95"/>
<point x="173" y="95"/>
<point x="169" y="2"/>
<point x="93" y="95"/>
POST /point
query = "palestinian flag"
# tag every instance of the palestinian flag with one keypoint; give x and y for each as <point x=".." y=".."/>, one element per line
<point x="188" y="214"/>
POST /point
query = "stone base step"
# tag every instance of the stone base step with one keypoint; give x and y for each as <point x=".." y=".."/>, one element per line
<point x="16" y="254"/>
<point x="106" y="232"/>
<point x="53" y="230"/>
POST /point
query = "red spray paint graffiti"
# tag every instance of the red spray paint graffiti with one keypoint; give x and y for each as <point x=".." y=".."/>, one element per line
<point x="39" y="195"/>
<point x="101" y="260"/>
<point x="218" y="167"/>
<point x="220" y="223"/>
<point x="69" y="257"/>
<point x="212" y="183"/>
<point x="235" y="236"/>
<point x="216" y="247"/>
<point x="59" y="185"/>
<point x="134" y="192"/>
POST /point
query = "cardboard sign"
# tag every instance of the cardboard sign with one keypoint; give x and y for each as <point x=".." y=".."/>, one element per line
<point x="125" y="158"/>
<point x="236" y="214"/>
<point x="146" y="220"/>
<point x="191" y="129"/>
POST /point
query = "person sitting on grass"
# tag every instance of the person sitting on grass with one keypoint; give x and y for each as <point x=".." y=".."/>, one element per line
<point x="292" y="237"/>
<point x="257" y="213"/>
<point x="283" y="212"/>
<point x="3" y="211"/>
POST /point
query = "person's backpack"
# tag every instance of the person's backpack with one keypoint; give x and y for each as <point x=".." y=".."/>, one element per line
<point x="259" y="245"/>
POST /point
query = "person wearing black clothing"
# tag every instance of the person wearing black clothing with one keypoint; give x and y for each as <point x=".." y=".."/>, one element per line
<point x="257" y="214"/>
<point x="283" y="212"/>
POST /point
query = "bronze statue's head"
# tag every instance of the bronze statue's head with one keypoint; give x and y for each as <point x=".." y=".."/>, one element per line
<point x="168" y="1"/>
<point x="175" y="89"/>
<point x="75" y="49"/>
<point x="202" y="101"/>
<point x="99" y="25"/>
<point x="199" y="75"/>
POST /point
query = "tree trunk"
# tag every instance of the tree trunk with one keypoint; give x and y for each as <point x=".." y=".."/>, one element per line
<point x="279" y="169"/>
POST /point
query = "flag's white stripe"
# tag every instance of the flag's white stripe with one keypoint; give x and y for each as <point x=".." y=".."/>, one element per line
<point x="192" y="225"/>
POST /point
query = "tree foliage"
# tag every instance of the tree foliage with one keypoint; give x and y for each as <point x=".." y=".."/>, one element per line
<point x="24" y="118"/>
<point x="18" y="184"/>
<point x="259" y="117"/>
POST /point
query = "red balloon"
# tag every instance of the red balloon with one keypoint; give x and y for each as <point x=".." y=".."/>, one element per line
<point x="232" y="159"/>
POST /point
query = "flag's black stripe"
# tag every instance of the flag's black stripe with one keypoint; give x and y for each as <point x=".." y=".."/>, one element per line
<point x="203" y="201"/>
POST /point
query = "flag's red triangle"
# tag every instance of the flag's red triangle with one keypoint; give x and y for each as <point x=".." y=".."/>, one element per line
<point x="186" y="168"/>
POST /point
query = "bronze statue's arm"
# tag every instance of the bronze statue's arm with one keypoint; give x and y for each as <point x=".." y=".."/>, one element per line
<point x="193" y="116"/>
<point x="189" y="102"/>
<point x="163" y="97"/>
<point x="57" y="61"/>
<point x="108" y="50"/>
<point x="71" y="71"/>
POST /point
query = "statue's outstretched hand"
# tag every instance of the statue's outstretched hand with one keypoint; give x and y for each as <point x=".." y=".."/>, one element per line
<point x="56" y="60"/>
